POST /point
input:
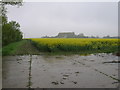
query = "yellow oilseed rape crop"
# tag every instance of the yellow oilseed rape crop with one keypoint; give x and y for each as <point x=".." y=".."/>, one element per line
<point x="76" y="44"/>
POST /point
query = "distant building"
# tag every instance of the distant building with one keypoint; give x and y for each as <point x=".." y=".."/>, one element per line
<point x="72" y="35"/>
<point x="80" y="35"/>
<point x="66" y="35"/>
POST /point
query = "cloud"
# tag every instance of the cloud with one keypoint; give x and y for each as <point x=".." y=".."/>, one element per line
<point x="50" y="18"/>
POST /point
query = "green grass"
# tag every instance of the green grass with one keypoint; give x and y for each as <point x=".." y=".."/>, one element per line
<point x="23" y="47"/>
<point x="12" y="48"/>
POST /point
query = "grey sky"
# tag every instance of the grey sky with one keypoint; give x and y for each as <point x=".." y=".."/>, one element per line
<point x="39" y="19"/>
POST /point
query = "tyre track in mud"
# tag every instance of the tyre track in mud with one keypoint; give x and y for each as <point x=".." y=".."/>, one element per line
<point x="74" y="61"/>
<point x="109" y="76"/>
<point x="29" y="75"/>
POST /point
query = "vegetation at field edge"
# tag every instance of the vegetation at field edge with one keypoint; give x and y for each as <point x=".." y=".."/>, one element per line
<point x="62" y="46"/>
<point x="23" y="47"/>
<point x="76" y="45"/>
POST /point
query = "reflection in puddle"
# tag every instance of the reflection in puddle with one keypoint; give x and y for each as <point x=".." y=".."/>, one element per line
<point x="53" y="59"/>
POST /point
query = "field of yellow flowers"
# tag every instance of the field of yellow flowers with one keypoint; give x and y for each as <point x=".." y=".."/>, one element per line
<point x="76" y="44"/>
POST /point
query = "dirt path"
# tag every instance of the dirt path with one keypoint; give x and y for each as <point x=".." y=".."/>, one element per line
<point x="27" y="48"/>
<point x="74" y="71"/>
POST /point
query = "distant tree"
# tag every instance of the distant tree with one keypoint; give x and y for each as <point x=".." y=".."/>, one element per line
<point x="97" y="36"/>
<point x="81" y="35"/>
<point x="92" y="37"/>
<point x="106" y="36"/>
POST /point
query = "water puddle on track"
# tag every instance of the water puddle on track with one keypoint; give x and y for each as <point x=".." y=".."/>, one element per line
<point x="60" y="71"/>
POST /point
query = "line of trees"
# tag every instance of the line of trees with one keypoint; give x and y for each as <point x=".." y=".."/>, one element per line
<point x="10" y="30"/>
<point x="81" y="35"/>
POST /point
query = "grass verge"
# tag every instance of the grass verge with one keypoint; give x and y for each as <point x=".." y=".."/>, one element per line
<point x="23" y="47"/>
<point x="12" y="48"/>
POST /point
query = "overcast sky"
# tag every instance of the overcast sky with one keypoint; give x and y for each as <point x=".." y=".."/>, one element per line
<point x="49" y="18"/>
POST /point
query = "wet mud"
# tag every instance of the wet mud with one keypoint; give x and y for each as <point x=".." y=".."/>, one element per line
<point x="59" y="71"/>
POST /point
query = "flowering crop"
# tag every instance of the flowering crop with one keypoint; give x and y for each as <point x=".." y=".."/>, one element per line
<point x="76" y="44"/>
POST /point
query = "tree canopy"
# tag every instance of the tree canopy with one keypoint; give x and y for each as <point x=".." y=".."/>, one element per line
<point x="10" y="30"/>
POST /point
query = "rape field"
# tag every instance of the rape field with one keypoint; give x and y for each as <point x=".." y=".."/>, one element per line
<point x="76" y="44"/>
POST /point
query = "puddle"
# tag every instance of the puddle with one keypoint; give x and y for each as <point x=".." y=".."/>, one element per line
<point x="47" y="71"/>
<point x="112" y="62"/>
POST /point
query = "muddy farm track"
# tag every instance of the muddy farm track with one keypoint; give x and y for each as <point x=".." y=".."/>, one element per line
<point x="60" y="71"/>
